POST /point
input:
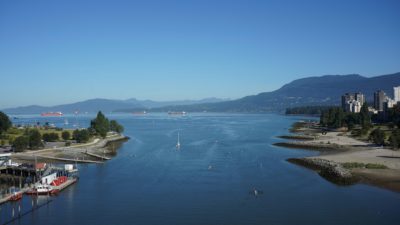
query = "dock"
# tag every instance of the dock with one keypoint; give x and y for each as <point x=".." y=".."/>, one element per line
<point x="66" y="184"/>
<point x="7" y="198"/>
<point x="59" y="159"/>
<point x="97" y="156"/>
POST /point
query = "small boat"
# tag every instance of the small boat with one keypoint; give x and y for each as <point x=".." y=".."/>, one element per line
<point x="178" y="144"/>
<point x="256" y="192"/>
<point x="42" y="189"/>
<point x="16" y="196"/>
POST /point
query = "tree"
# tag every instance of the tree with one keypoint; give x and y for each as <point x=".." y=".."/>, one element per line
<point x="115" y="126"/>
<point x="394" y="115"/>
<point x="5" y="122"/>
<point x="334" y="117"/>
<point x="394" y="139"/>
<point x="20" y="143"/>
<point x="81" y="136"/>
<point x="65" y="135"/>
<point x="377" y="136"/>
<point x="50" y="137"/>
<point x="100" y="124"/>
<point x="365" y="118"/>
<point x="35" y="139"/>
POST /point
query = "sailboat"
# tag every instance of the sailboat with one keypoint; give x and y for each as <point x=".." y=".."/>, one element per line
<point x="178" y="144"/>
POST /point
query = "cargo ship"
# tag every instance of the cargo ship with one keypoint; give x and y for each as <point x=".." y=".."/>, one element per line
<point x="52" y="114"/>
<point x="139" y="113"/>
<point x="177" y="113"/>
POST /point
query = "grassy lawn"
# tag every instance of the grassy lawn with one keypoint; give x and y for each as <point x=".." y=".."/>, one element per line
<point x="14" y="132"/>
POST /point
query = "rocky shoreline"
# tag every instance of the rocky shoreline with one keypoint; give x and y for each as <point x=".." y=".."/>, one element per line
<point x="345" y="160"/>
<point x="330" y="170"/>
<point x="307" y="146"/>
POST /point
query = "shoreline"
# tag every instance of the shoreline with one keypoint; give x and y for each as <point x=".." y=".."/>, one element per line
<point x="93" y="152"/>
<point x="347" y="161"/>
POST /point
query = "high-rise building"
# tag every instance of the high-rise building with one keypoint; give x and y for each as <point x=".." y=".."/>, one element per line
<point x="379" y="99"/>
<point x="396" y="94"/>
<point x="352" y="102"/>
<point x="359" y="97"/>
<point x="345" y="99"/>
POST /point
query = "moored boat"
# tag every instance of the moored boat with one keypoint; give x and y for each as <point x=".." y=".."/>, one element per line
<point x="42" y="189"/>
<point x="16" y="196"/>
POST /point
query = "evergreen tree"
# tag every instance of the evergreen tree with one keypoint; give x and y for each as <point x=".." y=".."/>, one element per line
<point x="100" y="124"/>
<point x="115" y="126"/>
<point x="5" y="122"/>
<point x="365" y="118"/>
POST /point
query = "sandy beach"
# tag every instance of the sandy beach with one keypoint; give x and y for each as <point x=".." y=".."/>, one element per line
<point x="339" y="148"/>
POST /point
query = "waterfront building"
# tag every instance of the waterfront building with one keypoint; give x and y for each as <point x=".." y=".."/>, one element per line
<point x="352" y="102"/>
<point x="359" y="97"/>
<point x="388" y="104"/>
<point x="345" y="99"/>
<point x="379" y="98"/>
<point x="396" y="94"/>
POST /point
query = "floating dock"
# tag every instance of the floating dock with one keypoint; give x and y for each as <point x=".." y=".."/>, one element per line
<point x="66" y="184"/>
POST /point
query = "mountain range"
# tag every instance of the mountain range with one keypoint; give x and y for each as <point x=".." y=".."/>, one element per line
<point x="106" y="105"/>
<point x="322" y="90"/>
<point x="310" y="91"/>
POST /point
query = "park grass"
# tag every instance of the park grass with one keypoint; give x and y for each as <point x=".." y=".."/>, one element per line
<point x="15" y="132"/>
<point x="352" y="165"/>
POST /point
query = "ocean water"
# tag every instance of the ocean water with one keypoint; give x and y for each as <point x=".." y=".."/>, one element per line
<point x="222" y="158"/>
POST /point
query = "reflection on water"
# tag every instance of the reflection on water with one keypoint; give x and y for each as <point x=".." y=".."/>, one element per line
<point x="226" y="172"/>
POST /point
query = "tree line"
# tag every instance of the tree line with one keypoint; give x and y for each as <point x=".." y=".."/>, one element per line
<point x="307" y="110"/>
<point x="335" y="117"/>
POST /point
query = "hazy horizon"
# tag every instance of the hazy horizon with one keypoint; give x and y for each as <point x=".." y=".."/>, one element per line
<point x="62" y="52"/>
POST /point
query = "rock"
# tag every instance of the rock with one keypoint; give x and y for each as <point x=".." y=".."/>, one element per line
<point x="332" y="171"/>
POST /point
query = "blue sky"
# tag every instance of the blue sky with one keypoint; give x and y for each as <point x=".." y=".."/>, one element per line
<point x="54" y="52"/>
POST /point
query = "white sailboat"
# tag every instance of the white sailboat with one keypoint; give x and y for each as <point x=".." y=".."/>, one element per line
<point x="178" y="144"/>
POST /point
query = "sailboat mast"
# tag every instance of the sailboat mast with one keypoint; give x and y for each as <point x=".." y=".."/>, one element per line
<point x="178" y="144"/>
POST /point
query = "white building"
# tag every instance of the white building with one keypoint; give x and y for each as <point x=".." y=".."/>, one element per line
<point x="353" y="106"/>
<point x="396" y="94"/>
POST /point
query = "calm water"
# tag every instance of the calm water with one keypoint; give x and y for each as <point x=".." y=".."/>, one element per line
<point x="149" y="182"/>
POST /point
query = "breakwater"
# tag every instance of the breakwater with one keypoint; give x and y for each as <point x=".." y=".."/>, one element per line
<point x="331" y="171"/>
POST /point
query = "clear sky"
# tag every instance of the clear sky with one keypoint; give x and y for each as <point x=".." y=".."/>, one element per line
<point x="54" y="52"/>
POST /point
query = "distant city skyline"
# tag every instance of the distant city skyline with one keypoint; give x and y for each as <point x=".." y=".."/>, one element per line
<point x="67" y="51"/>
